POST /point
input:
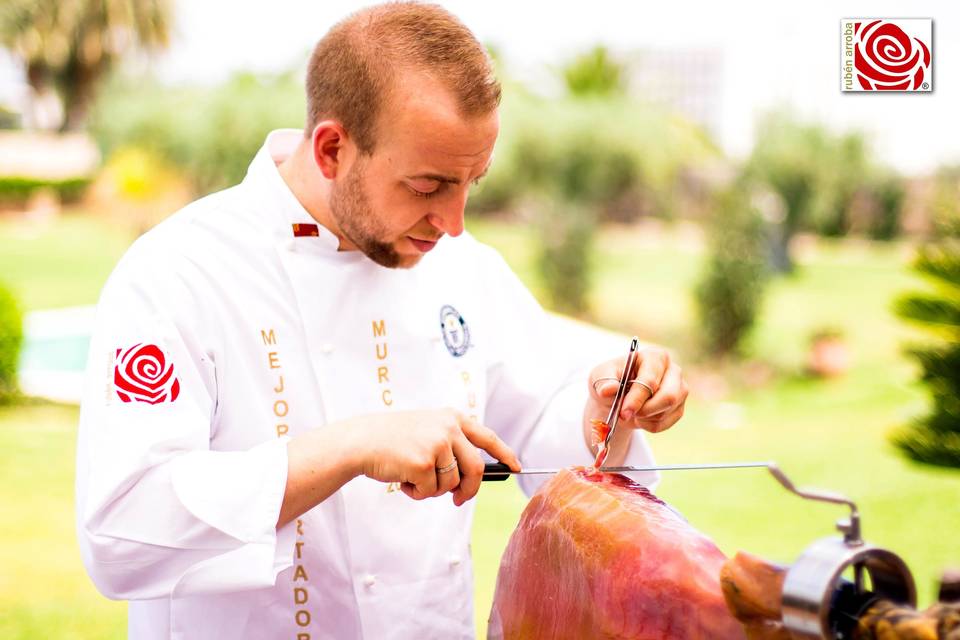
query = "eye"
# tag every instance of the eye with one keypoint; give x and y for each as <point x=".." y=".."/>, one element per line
<point x="424" y="194"/>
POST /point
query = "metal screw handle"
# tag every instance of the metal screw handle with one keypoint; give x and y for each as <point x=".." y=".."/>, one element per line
<point x="849" y="528"/>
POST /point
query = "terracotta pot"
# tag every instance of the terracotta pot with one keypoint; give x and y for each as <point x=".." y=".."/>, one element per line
<point x="829" y="357"/>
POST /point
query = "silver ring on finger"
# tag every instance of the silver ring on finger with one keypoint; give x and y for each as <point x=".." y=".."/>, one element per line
<point x="605" y="379"/>
<point x="449" y="467"/>
<point x="644" y="385"/>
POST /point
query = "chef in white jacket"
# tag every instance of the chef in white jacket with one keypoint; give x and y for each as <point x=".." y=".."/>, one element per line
<point x="288" y="376"/>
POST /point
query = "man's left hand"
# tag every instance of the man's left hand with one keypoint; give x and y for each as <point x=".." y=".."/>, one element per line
<point x="654" y="402"/>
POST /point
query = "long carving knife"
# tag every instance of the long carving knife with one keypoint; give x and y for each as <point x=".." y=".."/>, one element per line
<point x="495" y="471"/>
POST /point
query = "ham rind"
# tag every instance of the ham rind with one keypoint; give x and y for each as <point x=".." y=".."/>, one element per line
<point x="596" y="555"/>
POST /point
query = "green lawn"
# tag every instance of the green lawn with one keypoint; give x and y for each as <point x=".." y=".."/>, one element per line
<point x="830" y="434"/>
<point x="59" y="262"/>
<point x="44" y="592"/>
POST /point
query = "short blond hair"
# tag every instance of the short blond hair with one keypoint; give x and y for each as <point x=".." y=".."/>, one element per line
<point x="350" y="74"/>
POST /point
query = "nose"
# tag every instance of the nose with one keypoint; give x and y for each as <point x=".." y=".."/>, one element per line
<point x="448" y="216"/>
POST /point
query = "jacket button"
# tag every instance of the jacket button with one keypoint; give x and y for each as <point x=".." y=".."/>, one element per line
<point x="455" y="561"/>
<point x="369" y="580"/>
<point x="326" y="347"/>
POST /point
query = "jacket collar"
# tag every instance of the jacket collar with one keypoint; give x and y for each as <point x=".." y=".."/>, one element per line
<point x="264" y="178"/>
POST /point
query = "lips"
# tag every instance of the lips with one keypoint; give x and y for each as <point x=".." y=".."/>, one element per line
<point x="422" y="245"/>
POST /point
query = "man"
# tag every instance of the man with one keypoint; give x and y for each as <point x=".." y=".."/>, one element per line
<point x="281" y="366"/>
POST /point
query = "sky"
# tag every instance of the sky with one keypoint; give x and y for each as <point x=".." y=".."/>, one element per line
<point x="774" y="54"/>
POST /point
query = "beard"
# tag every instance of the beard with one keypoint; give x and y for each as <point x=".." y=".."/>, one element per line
<point x="351" y="211"/>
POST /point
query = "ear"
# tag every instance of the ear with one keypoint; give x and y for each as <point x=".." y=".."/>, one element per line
<point x="329" y="144"/>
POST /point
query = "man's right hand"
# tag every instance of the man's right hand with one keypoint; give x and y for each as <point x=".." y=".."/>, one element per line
<point x="408" y="447"/>
<point x="412" y="447"/>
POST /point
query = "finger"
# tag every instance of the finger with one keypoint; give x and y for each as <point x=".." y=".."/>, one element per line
<point x="489" y="441"/>
<point x="663" y="422"/>
<point x="447" y="480"/>
<point x="653" y="365"/>
<point x="471" y="470"/>
<point x="672" y="393"/>
<point x="604" y="379"/>
<point x="422" y="480"/>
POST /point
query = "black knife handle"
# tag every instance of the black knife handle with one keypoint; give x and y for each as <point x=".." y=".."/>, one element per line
<point x="495" y="471"/>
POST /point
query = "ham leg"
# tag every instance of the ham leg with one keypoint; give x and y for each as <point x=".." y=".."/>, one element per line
<point x="596" y="555"/>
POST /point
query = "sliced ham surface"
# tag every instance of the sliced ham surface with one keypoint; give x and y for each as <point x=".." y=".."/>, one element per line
<point x="596" y="555"/>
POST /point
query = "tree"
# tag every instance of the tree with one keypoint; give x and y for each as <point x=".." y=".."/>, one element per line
<point x="935" y="437"/>
<point x="730" y="291"/>
<point x="71" y="44"/>
<point x="573" y="177"/>
<point x="814" y="171"/>
<point x="594" y="73"/>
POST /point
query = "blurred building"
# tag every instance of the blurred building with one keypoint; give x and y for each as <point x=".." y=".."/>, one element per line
<point x="688" y="81"/>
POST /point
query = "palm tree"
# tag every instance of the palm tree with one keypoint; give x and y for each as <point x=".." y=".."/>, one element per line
<point x="71" y="44"/>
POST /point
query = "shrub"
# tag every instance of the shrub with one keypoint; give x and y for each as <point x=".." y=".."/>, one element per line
<point x="594" y="73"/>
<point x="17" y="189"/>
<point x="566" y="233"/>
<point x="644" y="155"/>
<point x="11" y="339"/>
<point x="935" y="437"/>
<point x="816" y="172"/>
<point x="945" y="202"/>
<point x="575" y="177"/>
<point x="730" y="291"/>
<point x="888" y="195"/>
<point x="209" y="134"/>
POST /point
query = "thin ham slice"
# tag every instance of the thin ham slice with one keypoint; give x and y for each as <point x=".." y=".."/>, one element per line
<point x="596" y="555"/>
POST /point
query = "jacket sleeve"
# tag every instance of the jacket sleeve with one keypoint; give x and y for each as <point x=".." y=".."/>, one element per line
<point x="538" y="377"/>
<point x="160" y="513"/>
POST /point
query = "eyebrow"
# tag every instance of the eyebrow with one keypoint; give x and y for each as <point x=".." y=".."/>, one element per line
<point x="442" y="178"/>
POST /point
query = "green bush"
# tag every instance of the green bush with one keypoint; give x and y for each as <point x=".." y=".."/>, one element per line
<point x="9" y="119"/>
<point x="564" y="251"/>
<point x="17" y="189"/>
<point x="594" y="73"/>
<point x="572" y="180"/>
<point x="945" y="202"/>
<point x="11" y="339"/>
<point x="642" y="155"/>
<point x="210" y="133"/>
<point x="888" y="195"/>
<point x="730" y="291"/>
<point x="818" y="174"/>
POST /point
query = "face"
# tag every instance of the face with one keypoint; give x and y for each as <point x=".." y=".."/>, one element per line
<point x="396" y="203"/>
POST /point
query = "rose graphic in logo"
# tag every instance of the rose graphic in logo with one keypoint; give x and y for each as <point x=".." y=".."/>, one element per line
<point x="887" y="59"/>
<point x="142" y="373"/>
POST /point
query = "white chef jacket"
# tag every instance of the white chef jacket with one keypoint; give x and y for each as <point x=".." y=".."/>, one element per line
<point x="263" y="333"/>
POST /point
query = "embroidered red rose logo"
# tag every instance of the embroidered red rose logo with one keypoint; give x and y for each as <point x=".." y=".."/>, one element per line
<point x="887" y="59"/>
<point x="142" y="373"/>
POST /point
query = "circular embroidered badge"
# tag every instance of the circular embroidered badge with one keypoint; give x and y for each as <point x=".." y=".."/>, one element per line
<point x="456" y="334"/>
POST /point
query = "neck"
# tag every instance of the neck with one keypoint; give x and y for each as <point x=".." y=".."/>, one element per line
<point x="308" y="185"/>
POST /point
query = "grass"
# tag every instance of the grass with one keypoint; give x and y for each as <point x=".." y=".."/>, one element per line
<point x="59" y="262"/>
<point x="829" y="434"/>
<point x="44" y="592"/>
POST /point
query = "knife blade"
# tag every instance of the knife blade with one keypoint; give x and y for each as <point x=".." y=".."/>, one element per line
<point x="496" y="471"/>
